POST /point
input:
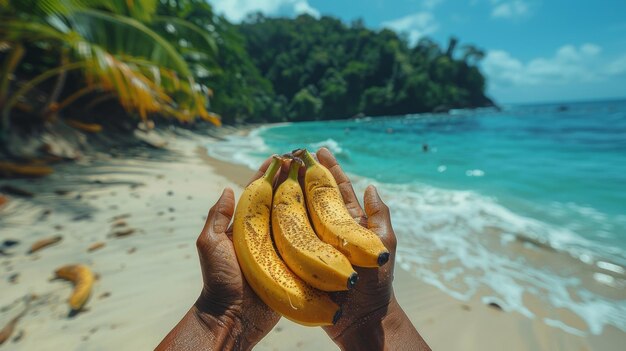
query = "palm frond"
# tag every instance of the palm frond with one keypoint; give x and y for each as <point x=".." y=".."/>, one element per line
<point x="123" y="35"/>
<point x="11" y="61"/>
<point x="177" y="29"/>
<point x="142" y="10"/>
<point x="118" y="54"/>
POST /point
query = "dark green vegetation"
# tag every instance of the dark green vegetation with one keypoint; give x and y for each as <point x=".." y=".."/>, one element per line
<point x="324" y="69"/>
<point x="99" y="61"/>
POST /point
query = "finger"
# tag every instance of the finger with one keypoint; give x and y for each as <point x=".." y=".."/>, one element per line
<point x="261" y="170"/>
<point x="379" y="218"/>
<point x="215" y="251"/>
<point x="219" y="217"/>
<point x="327" y="159"/>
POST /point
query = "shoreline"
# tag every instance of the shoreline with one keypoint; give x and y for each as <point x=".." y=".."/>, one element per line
<point x="159" y="195"/>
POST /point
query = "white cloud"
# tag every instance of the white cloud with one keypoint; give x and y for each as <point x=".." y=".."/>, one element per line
<point x="431" y="4"/>
<point x="617" y="66"/>
<point x="590" y="49"/>
<point x="416" y="25"/>
<point x="304" y="7"/>
<point x="509" y="8"/>
<point x="236" y="10"/>
<point x="569" y="65"/>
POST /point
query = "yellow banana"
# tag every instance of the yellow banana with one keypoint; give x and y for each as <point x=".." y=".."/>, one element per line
<point x="83" y="279"/>
<point x="266" y="273"/>
<point x="332" y="221"/>
<point x="313" y="260"/>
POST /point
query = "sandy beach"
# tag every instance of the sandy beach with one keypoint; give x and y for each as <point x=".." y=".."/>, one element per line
<point x="148" y="209"/>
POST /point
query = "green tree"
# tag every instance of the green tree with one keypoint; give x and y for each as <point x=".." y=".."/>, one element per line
<point x="305" y="105"/>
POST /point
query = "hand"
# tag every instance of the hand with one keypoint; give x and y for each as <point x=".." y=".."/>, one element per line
<point x="228" y="314"/>
<point x="372" y="317"/>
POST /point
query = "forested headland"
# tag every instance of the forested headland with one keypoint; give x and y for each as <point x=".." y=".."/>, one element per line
<point x="325" y="69"/>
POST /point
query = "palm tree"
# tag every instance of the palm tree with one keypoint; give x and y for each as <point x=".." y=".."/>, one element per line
<point x="427" y="48"/>
<point x="472" y="55"/>
<point x="118" y="48"/>
<point x="452" y="43"/>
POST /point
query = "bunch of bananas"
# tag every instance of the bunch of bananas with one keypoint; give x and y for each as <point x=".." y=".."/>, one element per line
<point x="291" y="264"/>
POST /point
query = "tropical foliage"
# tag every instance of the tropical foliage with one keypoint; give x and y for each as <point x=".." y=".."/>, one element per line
<point x="123" y="50"/>
<point x="241" y="94"/>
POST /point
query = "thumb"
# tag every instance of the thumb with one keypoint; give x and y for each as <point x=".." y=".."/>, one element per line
<point x="218" y="219"/>
<point x="217" y="257"/>
<point x="379" y="218"/>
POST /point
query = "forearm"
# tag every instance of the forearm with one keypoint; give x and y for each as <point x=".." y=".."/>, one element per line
<point x="197" y="331"/>
<point x="392" y="331"/>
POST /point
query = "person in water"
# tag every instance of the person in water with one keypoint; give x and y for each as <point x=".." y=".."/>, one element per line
<point x="229" y="316"/>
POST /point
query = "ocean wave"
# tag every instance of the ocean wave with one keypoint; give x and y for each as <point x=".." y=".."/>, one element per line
<point x="467" y="244"/>
<point x="250" y="149"/>
<point x="330" y="144"/>
<point x="246" y="149"/>
<point x="474" y="173"/>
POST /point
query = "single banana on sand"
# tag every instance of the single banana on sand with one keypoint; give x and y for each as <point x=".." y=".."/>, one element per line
<point x="332" y="221"/>
<point x="83" y="279"/>
<point x="264" y="270"/>
<point x="316" y="262"/>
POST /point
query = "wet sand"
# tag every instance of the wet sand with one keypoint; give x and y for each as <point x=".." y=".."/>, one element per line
<point x="149" y="277"/>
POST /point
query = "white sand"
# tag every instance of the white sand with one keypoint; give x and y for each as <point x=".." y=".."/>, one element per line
<point x="151" y="288"/>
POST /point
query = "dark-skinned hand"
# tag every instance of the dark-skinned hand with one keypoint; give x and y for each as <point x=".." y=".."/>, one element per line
<point x="228" y="314"/>
<point x="372" y="318"/>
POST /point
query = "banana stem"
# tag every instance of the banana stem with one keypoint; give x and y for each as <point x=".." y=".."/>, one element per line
<point x="307" y="158"/>
<point x="296" y="163"/>
<point x="272" y="169"/>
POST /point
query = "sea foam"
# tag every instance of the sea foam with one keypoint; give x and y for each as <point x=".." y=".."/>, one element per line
<point x="460" y="242"/>
<point x="241" y="149"/>
<point x="330" y="144"/>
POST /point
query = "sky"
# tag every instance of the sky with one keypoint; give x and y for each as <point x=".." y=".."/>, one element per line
<point x="537" y="50"/>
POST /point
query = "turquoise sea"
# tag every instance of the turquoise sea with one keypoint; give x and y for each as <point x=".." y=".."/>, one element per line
<point x="524" y="207"/>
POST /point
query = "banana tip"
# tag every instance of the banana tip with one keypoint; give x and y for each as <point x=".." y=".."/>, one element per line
<point x="383" y="258"/>
<point x="337" y="316"/>
<point x="352" y="279"/>
<point x="73" y="312"/>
